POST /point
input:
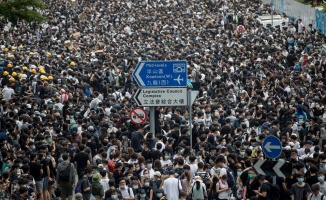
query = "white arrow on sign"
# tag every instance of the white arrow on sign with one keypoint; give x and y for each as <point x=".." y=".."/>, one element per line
<point x="257" y="166"/>
<point x="137" y="74"/>
<point x="277" y="169"/>
<point x="268" y="147"/>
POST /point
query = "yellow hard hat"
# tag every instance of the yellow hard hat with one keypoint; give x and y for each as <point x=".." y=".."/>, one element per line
<point x="50" y="77"/>
<point x="20" y="76"/>
<point x="13" y="48"/>
<point x="33" y="71"/>
<point x="44" y="78"/>
<point x="42" y="72"/>
<point x="5" y="73"/>
<point x="41" y="67"/>
<point x="31" y="53"/>
<point x="48" y="54"/>
<point x="25" y="68"/>
<point x="12" y="56"/>
<point x="9" y="65"/>
<point x="21" y="46"/>
<point x="14" y="74"/>
<point x="72" y="63"/>
<point x="12" y="79"/>
<point x="6" y="50"/>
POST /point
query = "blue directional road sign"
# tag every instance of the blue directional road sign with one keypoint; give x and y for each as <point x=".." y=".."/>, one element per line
<point x="161" y="73"/>
<point x="272" y="147"/>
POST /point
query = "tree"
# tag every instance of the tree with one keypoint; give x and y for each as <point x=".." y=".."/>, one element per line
<point x="28" y="10"/>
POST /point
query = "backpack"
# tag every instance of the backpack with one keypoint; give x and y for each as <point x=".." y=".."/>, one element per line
<point x="274" y="191"/>
<point x="64" y="175"/>
<point x="78" y="188"/>
<point x="87" y="92"/>
<point x="230" y="180"/>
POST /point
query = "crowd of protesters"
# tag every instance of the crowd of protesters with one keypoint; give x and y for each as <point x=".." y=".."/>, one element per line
<point x="67" y="87"/>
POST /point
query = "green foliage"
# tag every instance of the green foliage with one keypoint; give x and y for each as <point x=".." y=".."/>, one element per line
<point x="27" y="10"/>
<point x="324" y="6"/>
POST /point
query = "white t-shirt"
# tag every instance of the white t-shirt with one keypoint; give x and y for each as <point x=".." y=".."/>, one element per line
<point x="166" y="162"/>
<point x="127" y="194"/>
<point x="172" y="187"/>
<point x="7" y="93"/>
<point x="193" y="170"/>
<point x="105" y="183"/>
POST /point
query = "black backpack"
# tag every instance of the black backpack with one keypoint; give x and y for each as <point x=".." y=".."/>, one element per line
<point x="230" y="180"/>
<point x="64" y="175"/>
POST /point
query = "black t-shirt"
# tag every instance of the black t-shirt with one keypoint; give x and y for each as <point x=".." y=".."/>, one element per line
<point x="45" y="164"/>
<point x="312" y="180"/>
<point x="93" y="147"/>
<point x="81" y="159"/>
<point x="225" y="130"/>
<point x="265" y="187"/>
<point x="35" y="170"/>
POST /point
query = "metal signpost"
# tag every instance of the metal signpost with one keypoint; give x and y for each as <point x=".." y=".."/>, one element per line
<point x="163" y="83"/>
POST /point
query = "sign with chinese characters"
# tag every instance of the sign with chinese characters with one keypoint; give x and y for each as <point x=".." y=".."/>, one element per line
<point x="161" y="97"/>
<point x="161" y="73"/>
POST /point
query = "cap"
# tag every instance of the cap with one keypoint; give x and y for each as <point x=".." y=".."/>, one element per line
<point x="291" y="144"/>
<point x="197" y="178"/>
<point x="157" y="173"/>
<point x="25" y="160"/>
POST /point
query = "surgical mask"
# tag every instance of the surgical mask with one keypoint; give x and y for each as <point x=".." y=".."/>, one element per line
<point x="300" y="180"/>
<point x="223" y="143"/>
<point x="137" y="168"/>
<point x="142" y="167"/>
<point x="114" y="197"/>
<point x="167" y="157"/>
<point x="245" y="146"/>
<point x="320" y="178"/>
<point x="146" y="184"/>
<point x="135" y="187"/>
<point x="159" y="195"/>
<point x="149" y="166"/>
<point x="122" y="187"/>
<point x="251" y="176"/>
<point x="238" y="173"/>
<point x="123" y="137"/>
<point x="242" y="153"/>
<point x="142" y="195"/>
<point x="20" y="165"/>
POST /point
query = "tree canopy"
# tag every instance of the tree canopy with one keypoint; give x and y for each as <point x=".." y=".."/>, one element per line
<point x="27" y="10"/>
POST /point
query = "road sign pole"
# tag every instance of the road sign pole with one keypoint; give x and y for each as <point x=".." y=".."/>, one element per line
<point x="274" y="177"/>
<point x="152" y="119"/>
<point x="190" y="116"/>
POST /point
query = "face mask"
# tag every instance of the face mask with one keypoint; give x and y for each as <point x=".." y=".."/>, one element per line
<point x="33" y="147"/>
<point x="142" y="167"/>
<point x="146" y="184"/>
<point x="242" y="153"/>
<point x="142" y="195"/>
<point x="251" y="176"/>
<point x="50" y="141"/>
<point x="223" y="143"/>
<point x="167" y="157"/>
<point x="320" y="178"/>
<point x="114" y="197"/>
<point x="137" y="168"/>
<point x="123" y="137"/>
<point x="238" y="173"/>
<point x="122" y="187"/>
<point x="149" y="166"/>
<point x="300" y="180"/>
<point x="244" y="146"/>
<point x="159" y="195"/>
<point x="48" y="158"/>
<point x="20" y="165"/>
<point x="135" y="187"/>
